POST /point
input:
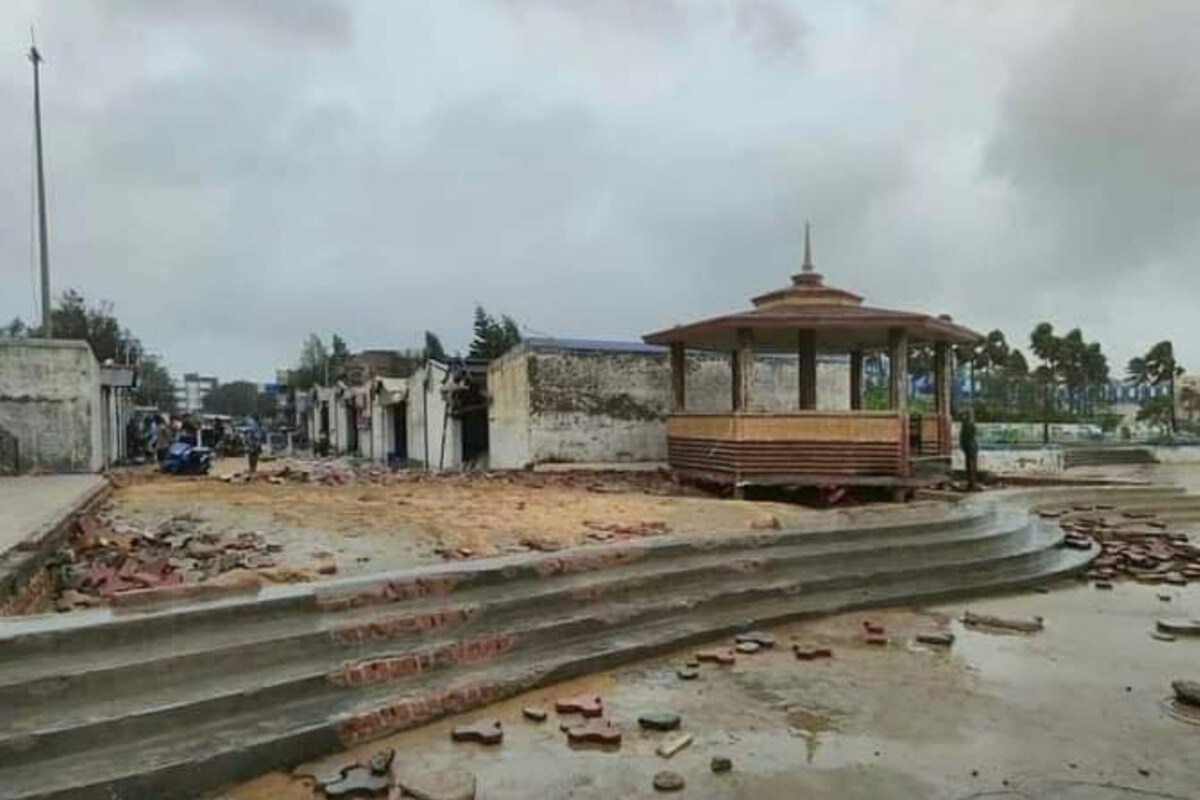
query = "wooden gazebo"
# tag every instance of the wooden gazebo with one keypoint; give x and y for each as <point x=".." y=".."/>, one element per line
<point x="810" y="446"/>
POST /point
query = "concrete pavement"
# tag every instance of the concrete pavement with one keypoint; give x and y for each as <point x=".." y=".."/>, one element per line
<point x="36" y="516"/>
<point x="32" y="504"/>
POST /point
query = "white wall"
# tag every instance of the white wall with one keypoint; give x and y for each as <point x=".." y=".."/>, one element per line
<point x="508" y="411"/>
<point x="557" y="404"/>
<point x="425" y="401"/>
<point x="50" y="401"/>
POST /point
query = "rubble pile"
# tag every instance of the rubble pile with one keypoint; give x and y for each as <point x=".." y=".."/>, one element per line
<point x="105" y="558"/>
<point x="343" y="472"/>
<point x="1134" y="544"/>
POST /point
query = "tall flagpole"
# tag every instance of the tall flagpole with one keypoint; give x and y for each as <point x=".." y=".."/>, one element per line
<point x="43" y="245"/>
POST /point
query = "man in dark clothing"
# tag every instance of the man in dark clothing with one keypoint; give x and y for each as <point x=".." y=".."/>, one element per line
<point x="969" y="442"/>
<point x="253" y="447"/>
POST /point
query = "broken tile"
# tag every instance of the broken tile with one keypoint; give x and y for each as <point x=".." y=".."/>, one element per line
<point x="747" y="647"/>
<point x="725" y="657"/>
<point x="590" y="705"/>
<point x="936" y="638"/>
<point x="687" y="673"/>
<point x="673" y="746"/>
<point x="874" y="628"/>
<point x="534" y="713"/>
<point x="484" y="732"/>
<point x="763" y="639"/>
<point x="721" y="764"/>
<point x="667" y="781"/>
<point x="659" y="720"/>
<point x="358" y="780"/>
<point x="380" y="762"/>
<point x="593" y="731"/>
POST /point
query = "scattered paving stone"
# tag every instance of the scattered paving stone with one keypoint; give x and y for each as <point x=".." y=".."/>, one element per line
<point x="667" y="781"/>
<point x="485" y="732"/>
<point x="687" y="673"/>
<point x="721" y="764"/>
<point x="1175" y="579"/>
<point x="673" y="746"/>
<point x="1166" y="598"/>
<point x="535" y="713"/>
<point x="811" y="652"/>
<point x="724" y="657"/>
<point x="1179" y="626"/>
<point x="1187" y="691"/>
<point x="1033" y="625"/>
<point x="590" y="705"/>
<point x="761" y="638"/>
<point x="748" y="647"/>
<point x="937" y="638"/>
<point x="594" y="731"/>
<point x="659" y="720"/>
<point x="381" y="762"/>
<point x="434" y="784"/>
<point x="874" y="628"/>
<point x="1103" y="585"/>
<point x="358" y="780"/>
<point x="1162" y="637"/>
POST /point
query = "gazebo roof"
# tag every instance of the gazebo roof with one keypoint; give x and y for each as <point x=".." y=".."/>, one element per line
<point x="842" y="323"/>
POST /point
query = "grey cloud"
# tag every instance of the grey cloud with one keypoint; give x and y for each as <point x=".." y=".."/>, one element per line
<point x="325" y="22"/>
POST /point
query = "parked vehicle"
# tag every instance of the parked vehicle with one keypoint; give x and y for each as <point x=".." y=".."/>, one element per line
<point x="187" y="459"/>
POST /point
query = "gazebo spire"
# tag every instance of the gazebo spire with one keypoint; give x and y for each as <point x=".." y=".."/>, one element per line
<point x="808" y="262"/>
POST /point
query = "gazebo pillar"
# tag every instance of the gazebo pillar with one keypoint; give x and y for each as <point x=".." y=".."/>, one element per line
<point x="742" y="364"/>
<point x="941" y="377"/>
<point x="678" y="378"/>
<point x="808" y="369"/>
<point x="898" y="390"/>
<point x="856" y="374"/>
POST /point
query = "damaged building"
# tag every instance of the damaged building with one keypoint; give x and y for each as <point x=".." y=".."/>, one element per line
<point x="582" y="401"/>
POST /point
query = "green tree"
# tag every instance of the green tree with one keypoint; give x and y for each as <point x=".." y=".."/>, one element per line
<point x="493" y="339"/>
<point x="433" y="347"/>
<point x="339" y="358"/>
<point x="1157" y="368"/>
<point x="153" y="384"/>
<point x="1159" y="412"/>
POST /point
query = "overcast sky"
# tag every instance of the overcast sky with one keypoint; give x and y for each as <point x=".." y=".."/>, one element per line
<point x="235" y="174"/>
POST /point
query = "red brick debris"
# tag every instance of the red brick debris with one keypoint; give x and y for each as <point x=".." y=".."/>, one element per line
<point x="1133" y="544"/>
<point x="105" y="558"/>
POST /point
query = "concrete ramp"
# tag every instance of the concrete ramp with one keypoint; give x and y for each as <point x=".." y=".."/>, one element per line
<point x="170" y="703"/>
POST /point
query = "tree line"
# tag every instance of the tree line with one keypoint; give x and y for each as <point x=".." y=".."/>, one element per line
<point x="73" y="317"/>
<point x="321" y="364"/>
<point x="1068" y="380"/>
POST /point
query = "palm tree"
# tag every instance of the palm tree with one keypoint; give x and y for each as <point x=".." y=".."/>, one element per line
<point x="1049" y="348"/>
<point x="1156" y="368"/>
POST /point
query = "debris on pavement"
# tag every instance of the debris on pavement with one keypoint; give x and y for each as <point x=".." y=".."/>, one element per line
<point x="1133" y="543"/>
<point x="1187" y="691"/>
<point x="936" y="638"/>
<point x="1017" y="624"/>
<point x="357" y="781"/>
<point x="722" y="657"/>
<point x="593" y="731"/>
<point x="534" y="713"/>
<point x="105" y="558"/>
<point x="484" y="732"/>
<point x="667" y="781"/>
<point x="721" y="764"/>
<point x="1179" y="626"/>
<point x="589" y="705"/>
<point x="673" y="746"/>
<point x="659" y="720"/>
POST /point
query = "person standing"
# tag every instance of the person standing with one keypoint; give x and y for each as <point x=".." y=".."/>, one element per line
<point x="969" y="441"/>
<point x="253" y="447"/>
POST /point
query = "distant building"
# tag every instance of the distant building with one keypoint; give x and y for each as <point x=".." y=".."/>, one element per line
<point x="190" y="390"/>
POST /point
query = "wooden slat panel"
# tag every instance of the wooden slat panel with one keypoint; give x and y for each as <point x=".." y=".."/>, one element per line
<point x="814" y="426"/>
<point x="853" y="458"/>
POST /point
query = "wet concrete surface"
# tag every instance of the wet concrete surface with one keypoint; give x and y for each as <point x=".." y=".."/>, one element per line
<point x="1079" y="710"/>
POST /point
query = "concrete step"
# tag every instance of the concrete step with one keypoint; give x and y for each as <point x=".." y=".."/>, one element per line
<point x="184" y="760"/>
<point x="48" y="714"/>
